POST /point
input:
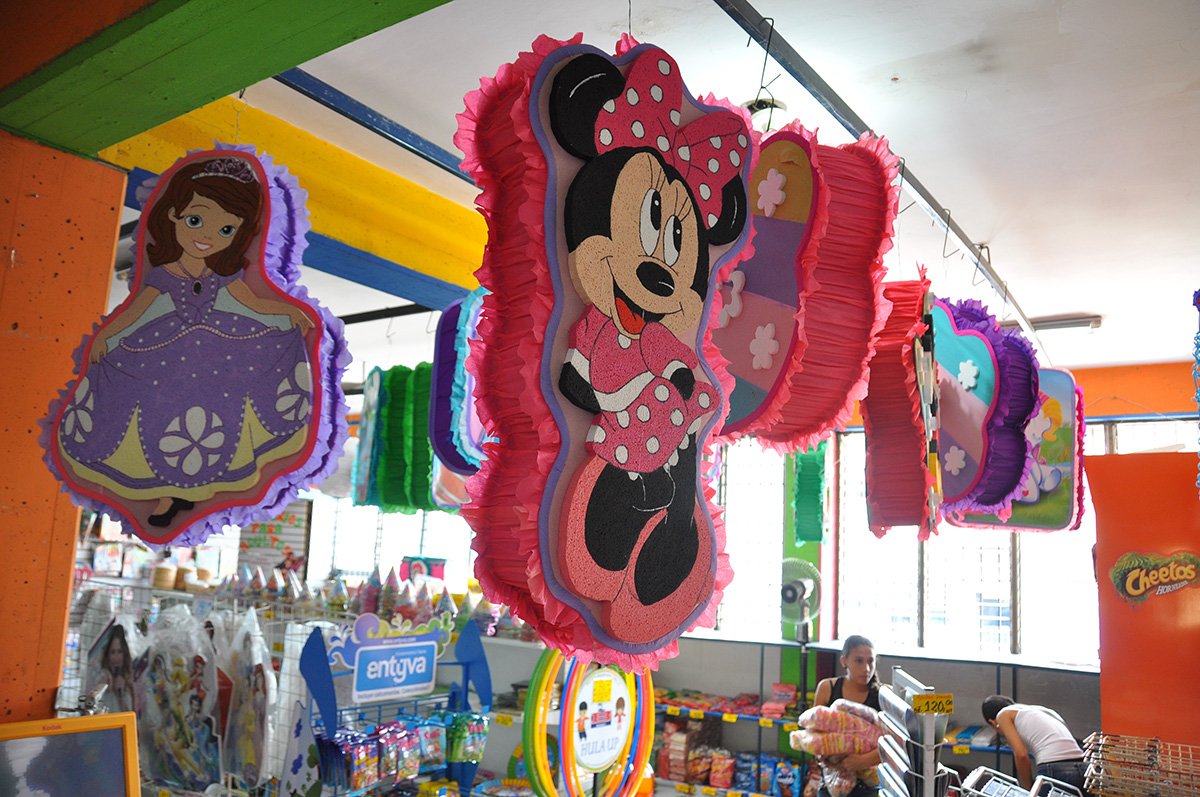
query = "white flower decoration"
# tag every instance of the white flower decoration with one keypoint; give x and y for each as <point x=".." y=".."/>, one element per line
<point x="733" y="309"/>
<point x="968" y="374"/>
<point x="192" y="440"/>
<point x="955" y="460"/>
<point x="77" y="420"/>
<point x="770" y="192"/>
<point x="292" y="395"/>
<point x="764" y="347"/>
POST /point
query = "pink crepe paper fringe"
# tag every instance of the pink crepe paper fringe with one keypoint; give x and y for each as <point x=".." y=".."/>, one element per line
<point x="843" y="307"/>
<point x="503" y="156"/>
<point x="898" y="476"/>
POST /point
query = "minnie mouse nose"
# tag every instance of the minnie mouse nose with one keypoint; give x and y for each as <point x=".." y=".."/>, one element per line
<point x="656" y="279"/>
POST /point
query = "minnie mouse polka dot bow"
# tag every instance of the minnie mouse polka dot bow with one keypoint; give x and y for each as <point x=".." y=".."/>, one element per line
<point x="708" y="151"/>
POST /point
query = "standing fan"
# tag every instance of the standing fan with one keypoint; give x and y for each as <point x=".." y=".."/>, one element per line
<point x="801" y="603"/>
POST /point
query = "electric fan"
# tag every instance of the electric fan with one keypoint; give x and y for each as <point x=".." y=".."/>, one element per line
<point x="801" y="603"/>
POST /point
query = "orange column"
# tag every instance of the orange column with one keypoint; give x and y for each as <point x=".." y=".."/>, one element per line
<point x="59" y="222"/>
<point x="1147" y="506"/>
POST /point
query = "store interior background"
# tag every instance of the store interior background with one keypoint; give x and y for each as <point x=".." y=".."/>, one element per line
<point x="1057" y="133"/>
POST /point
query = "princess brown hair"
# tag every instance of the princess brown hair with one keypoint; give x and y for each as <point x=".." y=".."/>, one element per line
<point x="242" y="199"/>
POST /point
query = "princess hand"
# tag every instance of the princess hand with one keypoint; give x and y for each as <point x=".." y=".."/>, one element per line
<point x="99" y="349"/>
<point x="300" y="319"/>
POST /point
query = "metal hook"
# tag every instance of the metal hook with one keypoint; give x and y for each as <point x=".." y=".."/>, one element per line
<point x="766" y="58"/>
<point x="946" y="238"/>
<point x="629" y="20"/>
<point x="975" y="283"/>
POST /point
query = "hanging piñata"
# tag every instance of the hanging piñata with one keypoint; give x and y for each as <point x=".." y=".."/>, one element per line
<point x="615" y="201"/>
<point x="211" y="395"/>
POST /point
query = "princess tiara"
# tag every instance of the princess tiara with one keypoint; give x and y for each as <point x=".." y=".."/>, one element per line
<point x="234" y="168"/>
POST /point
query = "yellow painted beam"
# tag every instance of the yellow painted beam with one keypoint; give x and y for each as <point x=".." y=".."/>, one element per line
<point x="350" y="199"/>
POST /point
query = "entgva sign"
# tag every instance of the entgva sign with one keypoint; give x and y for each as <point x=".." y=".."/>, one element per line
<point x="397" y="666"/>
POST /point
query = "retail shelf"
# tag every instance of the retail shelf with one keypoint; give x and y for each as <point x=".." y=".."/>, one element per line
<point x="787" y="723"/>
<point x="708" y="791"/>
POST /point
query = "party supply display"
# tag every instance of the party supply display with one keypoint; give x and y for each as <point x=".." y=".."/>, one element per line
<point x="988" y="388"/>
<point x="801" y="315"/>
<point x="247" y="730"/>
<point x="212" y="395"/>
<point x="809" y="494"/>
<point x="365" y="476"/>
<point x="614" y="202"/>
<point x="1051" y="497"/>
<point x="447" y="392"/>
<point x="898" y="416"/>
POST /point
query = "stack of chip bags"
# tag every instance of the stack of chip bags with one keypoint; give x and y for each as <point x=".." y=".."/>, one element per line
<point x="832" y="732"/>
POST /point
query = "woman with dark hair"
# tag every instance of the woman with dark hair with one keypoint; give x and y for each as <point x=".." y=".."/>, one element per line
<point x="116" y="672"/>
<point x="199" y="380"/>
<point x="860" y="684"/>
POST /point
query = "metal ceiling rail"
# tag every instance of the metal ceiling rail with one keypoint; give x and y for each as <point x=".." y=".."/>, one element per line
<point x="763" y="32"/>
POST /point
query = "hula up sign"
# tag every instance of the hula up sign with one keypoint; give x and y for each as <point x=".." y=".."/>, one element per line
<point x="1138" y="576"/>
<point x="602" y="721"/>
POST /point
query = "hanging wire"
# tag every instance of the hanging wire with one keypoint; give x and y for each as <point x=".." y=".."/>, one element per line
<point x="629" y="20"/>
<point x="763" y="83"/>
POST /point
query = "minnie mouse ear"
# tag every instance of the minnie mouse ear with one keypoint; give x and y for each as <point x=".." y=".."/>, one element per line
<point x="734" y="208"/>
<point x="580" y="89"/>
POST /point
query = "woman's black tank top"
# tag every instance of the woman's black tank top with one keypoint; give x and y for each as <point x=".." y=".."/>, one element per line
<point x="872" y="700"/>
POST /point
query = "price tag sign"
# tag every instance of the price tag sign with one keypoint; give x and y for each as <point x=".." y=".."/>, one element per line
<point x="734" y="794"/>
<point x="728" y="717"/>
<point x="961" y="749"/>
<point x="791" y="726"/>
<point x="696" y="713"/>
<point x="685" y="788"/>
<point x="673" y="711"/>
<point x="504" y="719"/>
<point x="164" y="793"/>
<point x="933" y="704"/>
<point x="765" y="722"/>
<point x="709" y="790"/>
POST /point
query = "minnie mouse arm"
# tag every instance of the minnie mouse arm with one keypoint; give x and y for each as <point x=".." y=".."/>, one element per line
<point x="575" y="386"/>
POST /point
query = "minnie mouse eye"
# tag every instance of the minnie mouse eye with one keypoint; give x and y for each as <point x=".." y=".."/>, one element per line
<point x="194" y="221"/>
<point x="651" y="220"/>
<point x="672" y="241"/>
<point x="227" y="231"/>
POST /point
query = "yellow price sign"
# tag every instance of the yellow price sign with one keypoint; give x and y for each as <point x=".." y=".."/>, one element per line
<point x="961" y="749"/>
<point x="673" y="711"/>
<point x="696" y="713"/>
<point x="504" y="719"/>
<point x="164" y="793"/>
<point x="933" y="704"/>
<point x="791" y="726"/>
<point x="765" y="722"/>
<point x="734" y="794"/>
<point x="728" y="717"/>
<point x="602" y="690"/>
<point x="686" y="788"/>
<point x="709" y="790"/>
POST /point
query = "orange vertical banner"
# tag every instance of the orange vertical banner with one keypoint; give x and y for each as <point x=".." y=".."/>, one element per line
<point x="59" y="221"/>
<point x="1148" y="568"/>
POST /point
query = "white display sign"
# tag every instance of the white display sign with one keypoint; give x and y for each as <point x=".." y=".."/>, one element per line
<point x="602" y="719"/>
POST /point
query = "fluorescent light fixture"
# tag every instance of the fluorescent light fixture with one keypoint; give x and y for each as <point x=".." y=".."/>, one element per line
<point x="1059" y="322"/>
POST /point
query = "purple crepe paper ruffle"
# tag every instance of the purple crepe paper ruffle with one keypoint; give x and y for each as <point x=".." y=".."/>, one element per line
<point x="1009" y="454"/>
<point x="285" y="246"/>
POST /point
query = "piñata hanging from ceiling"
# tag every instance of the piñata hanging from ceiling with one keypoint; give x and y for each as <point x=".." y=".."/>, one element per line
<point x="1051" y="496"/>
<point x="901" y="416"/>
<point x="988" y="392"/>
<point x="211" y="395"/>
<point x="802" y="314"/>
<point x="615" y="202"/>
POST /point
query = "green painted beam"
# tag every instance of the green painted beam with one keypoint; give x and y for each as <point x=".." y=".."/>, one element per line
<point x="177" y="55"/>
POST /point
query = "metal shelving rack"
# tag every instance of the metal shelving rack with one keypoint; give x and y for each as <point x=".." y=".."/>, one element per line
<point x="912" y="744"/>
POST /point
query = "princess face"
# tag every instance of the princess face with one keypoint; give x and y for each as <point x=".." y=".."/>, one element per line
<point x="644" y="270"/>
<point x="204" y="228"/>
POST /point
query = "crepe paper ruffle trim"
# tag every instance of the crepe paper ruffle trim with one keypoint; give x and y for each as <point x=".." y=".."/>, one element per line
<point x="502" y="155"/>
<point x="1080" y="428"/>
<point x="389" y="465"/>
<point x="843" y="307"/>
<point x="897" y="475"/>
<point x="448" y="367"/>
<point x="808" y="494"/>
<point x="461" y="402"/>
<point x="1009" y="455"/>
<point x="283" y="255"/>
<point x="418" y="451"/>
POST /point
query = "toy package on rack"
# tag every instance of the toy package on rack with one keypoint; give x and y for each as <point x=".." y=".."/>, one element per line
<point x="212" y="394"/>
<point x="177" y="731"/>
<point x="110" y="663"/>
<point x="248" y="727"/>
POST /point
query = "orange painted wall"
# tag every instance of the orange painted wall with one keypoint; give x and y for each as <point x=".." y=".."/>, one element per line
<point x="37" y="33"/>
<point x="1137" y="389"/>
<point x="1149" y="651"/>
<point x="59" y="222"/>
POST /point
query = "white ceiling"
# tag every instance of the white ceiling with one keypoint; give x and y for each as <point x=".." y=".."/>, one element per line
<point x="1061" y="133"/>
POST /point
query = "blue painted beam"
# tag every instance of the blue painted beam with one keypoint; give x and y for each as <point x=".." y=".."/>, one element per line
<point x="319" y="91"/>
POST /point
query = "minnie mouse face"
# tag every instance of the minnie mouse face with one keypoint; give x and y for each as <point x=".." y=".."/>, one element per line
<point x="651" y="263"/>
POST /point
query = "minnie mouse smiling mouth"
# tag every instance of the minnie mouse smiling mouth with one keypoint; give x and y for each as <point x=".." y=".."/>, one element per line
<point x="633" y="318"/>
